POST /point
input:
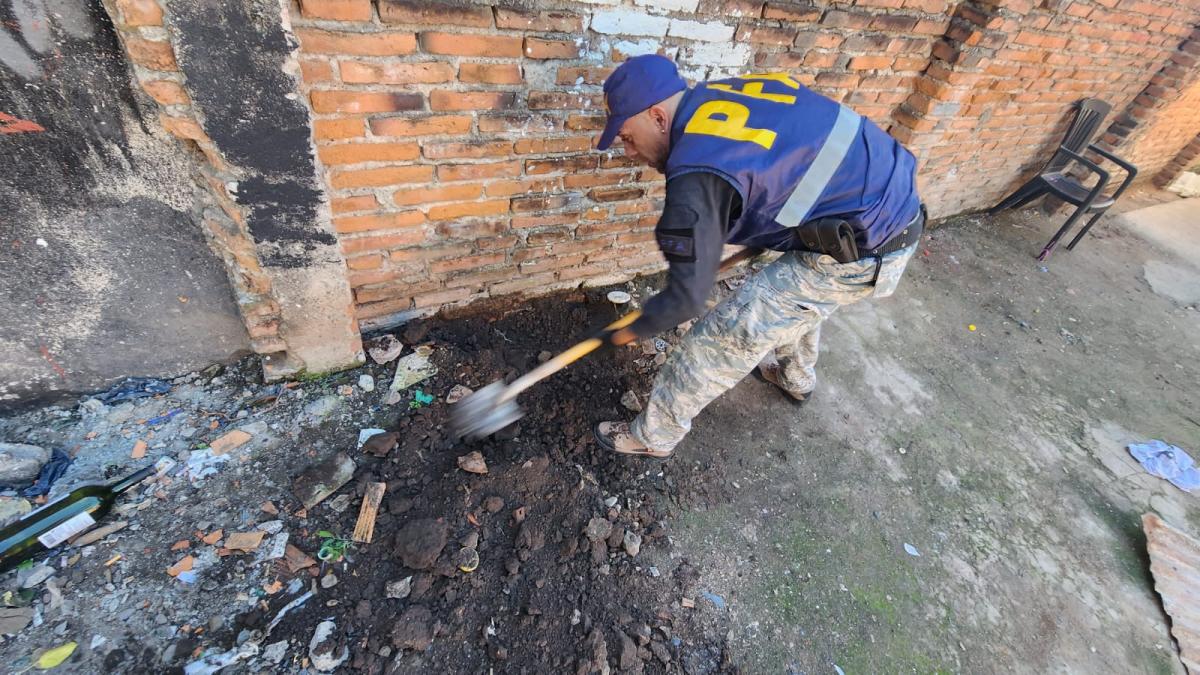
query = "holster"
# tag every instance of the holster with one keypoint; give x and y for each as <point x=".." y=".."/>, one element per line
<point x="830" y="236"/>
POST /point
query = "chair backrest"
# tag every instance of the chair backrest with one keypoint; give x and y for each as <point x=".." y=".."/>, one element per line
<point x="1088" y="117"/>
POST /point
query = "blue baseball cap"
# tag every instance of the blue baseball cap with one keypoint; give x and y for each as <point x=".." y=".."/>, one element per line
<point x="634" y="86"/>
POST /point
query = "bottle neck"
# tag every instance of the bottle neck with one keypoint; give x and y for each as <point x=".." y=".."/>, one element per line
<point x="129" y="481"/>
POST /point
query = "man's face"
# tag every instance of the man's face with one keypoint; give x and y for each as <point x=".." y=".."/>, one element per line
<point x="645" y="139"/>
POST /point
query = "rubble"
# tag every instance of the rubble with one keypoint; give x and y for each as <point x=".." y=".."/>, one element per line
<point x="319" y="481"/>
<point x="473" y="463"/>
<point x="21" y="463"/>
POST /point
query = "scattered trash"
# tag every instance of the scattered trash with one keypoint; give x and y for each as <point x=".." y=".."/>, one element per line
<point x="838" y="670"/>
<point x="333" y="548"/>
<point x="912" y="550"/>
<point x="53" y="657"/>
<point x="380" y="445"/>
<point x="324" y="657"/>
<point x="297" y="560"/>
<point x="139" y="450"/>
<point x="971" y="327"/>
<point x="385" y="349"/>
<point x="458" y="393"/>
<point x="715" y="599"/>
<point x="339" y="503"/>
<point x="133" y="388"/>
<point x="1169" y="462"/>
<point x="244" y="541"/>
<point x="631" y="402"/>
<point x="13" y="620"/>
<point x="329" y="580"/>
<point x="212" y="663"/>
<point x="420" y="399"/>
<point x="287" y="608"/>
<point x="364" y="528"/>
<point x="413" y="369"/>
<point x="365" y="434"/>
<point x="1175" y="567"/>
<point x="213" y="537"/>
<point x="51" y="472"/>
<point x="163" y="419"/>
<point x="202" y="464"/>
<point x="319" y="481"/>
<point x="619" y="297"/>
<point x="366" y="383"/>
<point x="687" y="603"/>
<point x="467" y="559"/>
<point x="181" y="545"/>
<point x="277" y="548"/>
<point x="230" y="441"/>
<point x="660" y="345"/>
<point x="99" y="533"/>
<point x="398" y="590"/>
<point x="183" y="565"/>
<point x="473" y="463"/>
<point x="37" y="576"/>
<point x="345" y="391"/>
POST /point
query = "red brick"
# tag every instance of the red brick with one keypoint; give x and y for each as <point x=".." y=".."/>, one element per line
<point x="357" y="44"/>
<point x="140" y="12"/>
<point x="508" y="188"/>
<point x="582" y="180"/>
<point x="549" y="264"/>
<point x="430" y="253"/>
<point x="365" y="101"/>
<point x="767" y="35"/>
<point x="870" y="63"/>
<point x="494" y="243"/>
<point x="471" y="229"/>
<point x="429" y="125"/>
<point x="374" y="310"/>
<point x="616" y="194"/>
<point x="609" y="161"/>
<point x="540" y="48"/>
<point x="441" y="297"/>
<point x="532" y="204"/>
<point x="525" y="222"/>
<point x="390" y="175"/>
<point x="470" y="149"/>
<point x="315" y="70"/>
<point x="469" y="262"/>
<point x="336" y="10"/>
<point x="381" y="221"/>
<point x="453" y="172"/>
<point x="534" y="167"/>
<point x="820" y="59"/>
<point x="358" y="72"/>
<point x="550" y="22"/>
<point x="336" y="129"/>
<point x="585" y="122"/>
<point x="183" y="127"/>
<point x="351" y="204"/>
<point x="789" y="12"/>
<point x="523" y="284"/>
<point x="166" y="92"/>
<point x="397" y="239"/>
<point x="524" y="123"/>
<point x="468" y="209"/>
<point x="847" y="19"/>
<point x="365" y="262"/>
<point x="893" y="22"/>
<point x="478" y="280"/>
<point x="549" y="145"/>
<point x="490" y="73"/>
<point x="818" y="40"/>
<point x="562" y="100"/>
<point x="931" y="26"/>
<point x="424" y="12"/>
<point x="441" y="193"/>
<point x="541" y="238"/>
<point x="445" y="99"/>
<point x="152" y="54"/>
<point x="572" y="75"/>
<point x="354" y="153"/>
<point x="460" y="44"/>
<point x="585" y="271"/>
<point x="608" y="227"/>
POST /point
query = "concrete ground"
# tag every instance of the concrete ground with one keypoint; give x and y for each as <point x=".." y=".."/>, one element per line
<point x="997" y="452"/>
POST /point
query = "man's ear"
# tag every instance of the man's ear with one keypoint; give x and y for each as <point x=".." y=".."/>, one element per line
<point x="660" y="117"/>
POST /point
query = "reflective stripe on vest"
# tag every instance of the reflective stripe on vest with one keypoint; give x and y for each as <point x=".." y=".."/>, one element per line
<point x="821" y="171"/>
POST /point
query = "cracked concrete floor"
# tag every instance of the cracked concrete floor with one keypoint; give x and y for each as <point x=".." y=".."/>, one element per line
<point x="998" y="454"/>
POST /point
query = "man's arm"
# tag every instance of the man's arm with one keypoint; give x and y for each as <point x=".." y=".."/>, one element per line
<point x="691" y="234"/>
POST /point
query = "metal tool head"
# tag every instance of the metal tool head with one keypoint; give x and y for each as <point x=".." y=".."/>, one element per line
<point x="484" y="413"/>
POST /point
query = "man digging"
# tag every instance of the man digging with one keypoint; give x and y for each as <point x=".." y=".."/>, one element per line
<point x="759" y="161"/>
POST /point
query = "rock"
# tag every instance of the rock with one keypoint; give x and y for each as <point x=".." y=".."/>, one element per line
<point x="339" y="503"/>
<point x="37" y="575"/>
<point x="319" y="481"/>
<point x="92" y="407"/>
<point x="329" y="580"/>
<point x="414" y="629"/>
<point x="473" y="463"/>
<point x="632" y="543"/>
<point x="597" y="649"/>
<point x="629" y="659"/>
<point x="381" y="444"/>
<point x="323" y="648"/>
<point x="392" y="398"/>
<point x="398" y="590"/>
<point x="12" y="508"/>
<point x="660" y="359"/>
<point x="471" y="540"/>
<point x="630" y="401"/>
<point x="544" y="356"/>
<point x="420" y="542"/>
<point x="493" y="504"/>
<point x="323" y="407"/>
<point x="21" y="463"/>
<point x="385" y="349"/>
<point x="660" y="652"/>
<point x="458" y="393"/>
<point x="275" y="651"/>
<point x="616" y="537"/>
<point x="414" y="332"/>
<point x="13" y="620"/>
<point x="366" y="383"/>
<point x="599" y="551"/>
<point x="598" y="529"/>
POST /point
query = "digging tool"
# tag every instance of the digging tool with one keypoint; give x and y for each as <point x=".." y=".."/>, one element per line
<point x="495" y="406"/>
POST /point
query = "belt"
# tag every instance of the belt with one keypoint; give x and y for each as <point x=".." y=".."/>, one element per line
<point x="911" y="234"/>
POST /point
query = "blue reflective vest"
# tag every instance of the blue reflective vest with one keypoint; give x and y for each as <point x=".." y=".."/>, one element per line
<point x="793" y="156"/>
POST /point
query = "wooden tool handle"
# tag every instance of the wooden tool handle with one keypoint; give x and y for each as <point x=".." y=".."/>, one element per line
<point x="596" y="341"/>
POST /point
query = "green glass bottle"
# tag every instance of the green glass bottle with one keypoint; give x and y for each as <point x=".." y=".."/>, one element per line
<point x="41" y="530"/>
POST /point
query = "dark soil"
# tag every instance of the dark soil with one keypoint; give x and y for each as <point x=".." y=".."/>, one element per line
<point x="544" y="597"/>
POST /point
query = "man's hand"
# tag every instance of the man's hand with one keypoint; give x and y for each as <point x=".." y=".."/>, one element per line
<point x="623" y="337"/>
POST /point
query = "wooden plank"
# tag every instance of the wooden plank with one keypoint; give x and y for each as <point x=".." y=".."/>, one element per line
<point x="364" y="529"/>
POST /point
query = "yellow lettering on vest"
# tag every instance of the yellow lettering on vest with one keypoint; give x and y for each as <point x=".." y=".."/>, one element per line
<point x="733" y="127"/>
<point x="783" y="78"/>
<point x="755" y="90"/>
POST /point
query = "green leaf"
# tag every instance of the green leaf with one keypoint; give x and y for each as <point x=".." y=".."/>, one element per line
<point x="326" y="534"/>
<point x="54" y="657"/>
<point x="27" y="565"/>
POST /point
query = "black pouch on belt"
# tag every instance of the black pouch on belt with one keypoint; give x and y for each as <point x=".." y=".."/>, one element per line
<point x="831" y="236"/>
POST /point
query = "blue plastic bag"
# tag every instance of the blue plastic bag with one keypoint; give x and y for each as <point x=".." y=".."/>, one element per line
<point x="1167" y="461"/>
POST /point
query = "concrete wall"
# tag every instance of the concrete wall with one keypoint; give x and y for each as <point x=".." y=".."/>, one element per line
<point x="104" y="270"/>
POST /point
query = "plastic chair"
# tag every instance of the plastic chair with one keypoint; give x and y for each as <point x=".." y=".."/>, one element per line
<point x="1055" y="178"/>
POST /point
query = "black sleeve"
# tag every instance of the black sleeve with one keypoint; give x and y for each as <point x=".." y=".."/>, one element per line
<point x="690" y="235"/>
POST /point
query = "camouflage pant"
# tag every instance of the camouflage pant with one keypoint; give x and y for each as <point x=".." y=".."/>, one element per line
<point x="780" y="309"/>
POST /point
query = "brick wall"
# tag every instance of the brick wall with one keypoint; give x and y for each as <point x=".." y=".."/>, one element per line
<point x="456" y="138"/>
